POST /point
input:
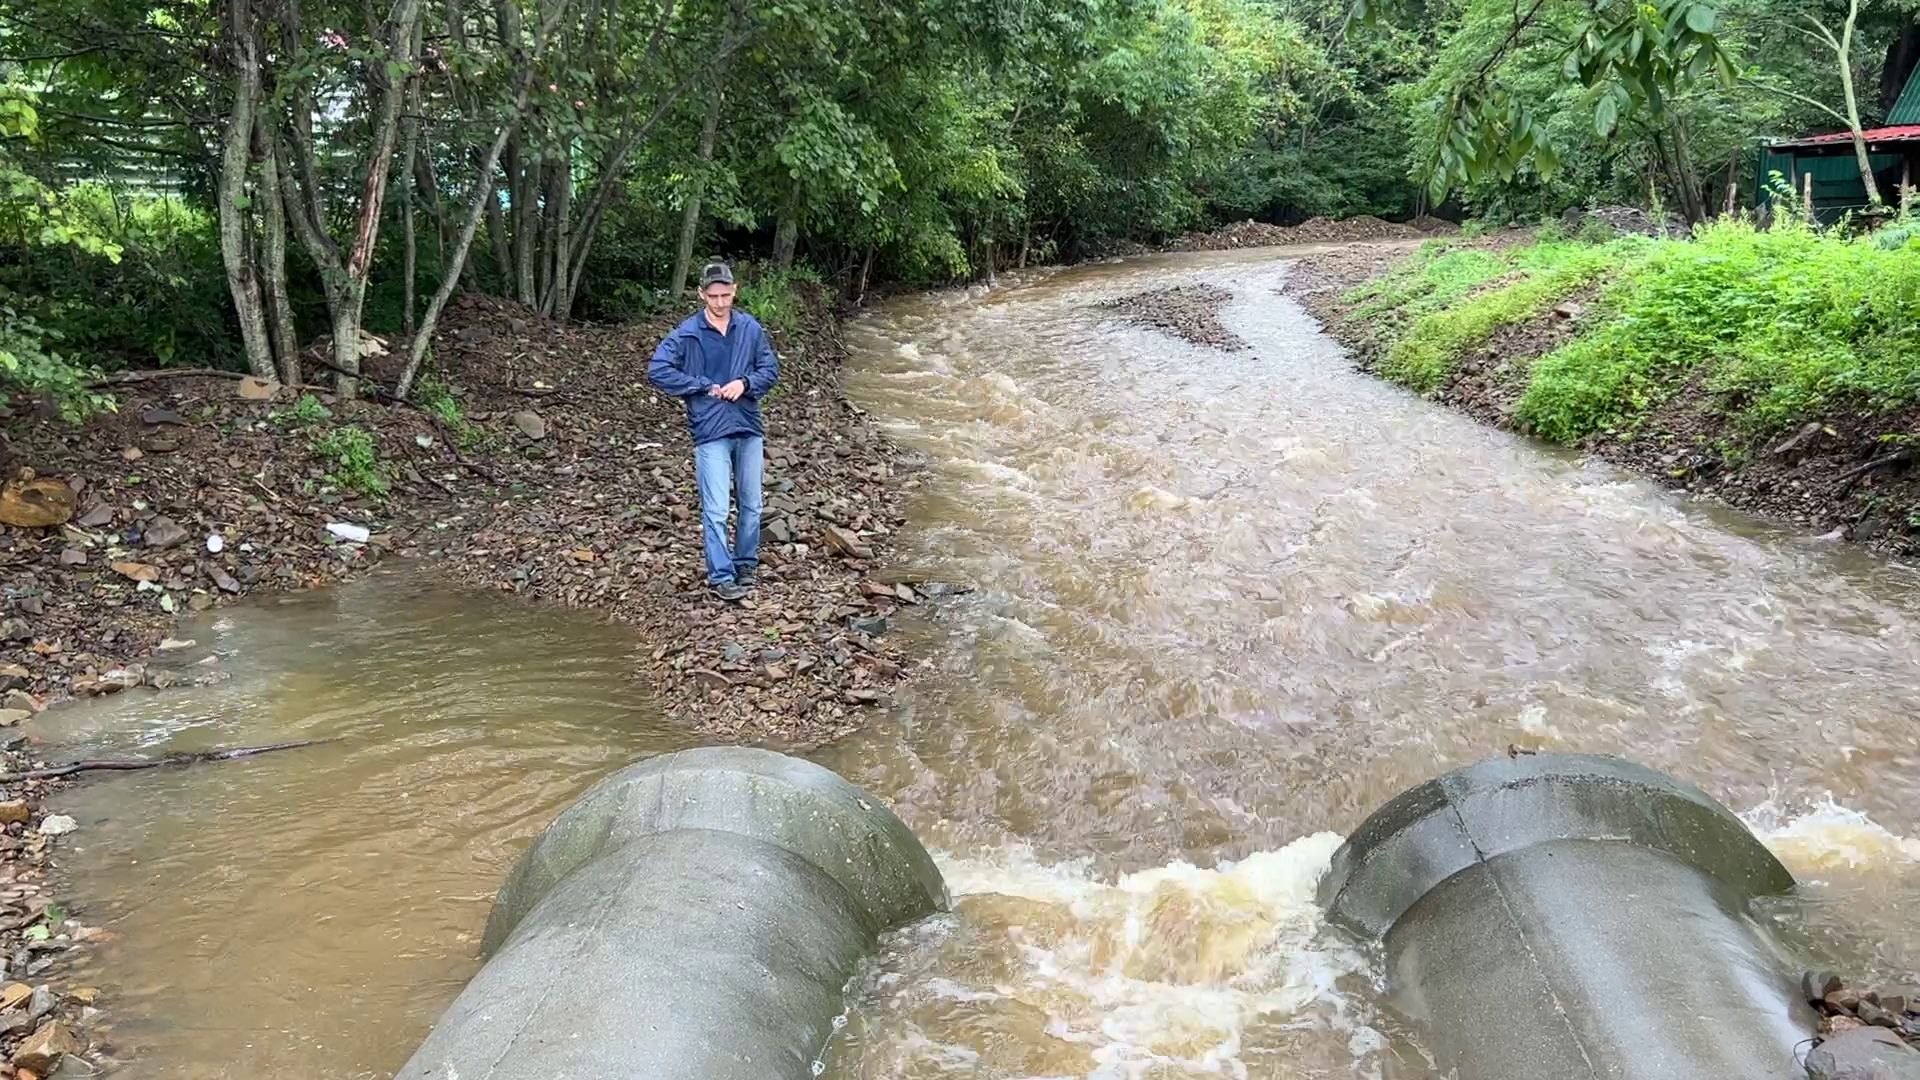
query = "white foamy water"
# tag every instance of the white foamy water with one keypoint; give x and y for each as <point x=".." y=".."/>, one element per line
<point x="1827" y="836"/>
<point x="1172" y="971"/>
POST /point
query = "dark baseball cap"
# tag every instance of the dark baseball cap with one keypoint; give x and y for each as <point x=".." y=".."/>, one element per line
<point x="715" y="273"/>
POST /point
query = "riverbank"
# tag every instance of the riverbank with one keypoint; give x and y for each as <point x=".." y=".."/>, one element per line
<point x="1761" y="371"/>
<point x="542" y="465"/>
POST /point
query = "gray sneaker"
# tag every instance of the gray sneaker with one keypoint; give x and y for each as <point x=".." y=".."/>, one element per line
<point x="744" y="576"/>
<point x="729" y="590"/>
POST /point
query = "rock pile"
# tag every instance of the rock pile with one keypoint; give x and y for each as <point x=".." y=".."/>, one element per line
<point x="1188" y="312"/>
<point x="1864" y="1034"/>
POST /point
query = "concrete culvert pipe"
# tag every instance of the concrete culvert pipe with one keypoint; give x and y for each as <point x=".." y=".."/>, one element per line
<point x="1560" y="917"/>
<point x="693" y="916"/>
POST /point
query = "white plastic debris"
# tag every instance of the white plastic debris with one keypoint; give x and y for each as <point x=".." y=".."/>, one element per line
<point x="353" y="534"/>
<point x="57" y="825"/>
<point x="216" y="543"/>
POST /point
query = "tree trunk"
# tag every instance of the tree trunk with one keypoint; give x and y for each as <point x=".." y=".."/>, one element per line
<point x="1692" y="203"/>
<point x="497" y="233"/>
<point x="786" y="234"/>
<point x="345" y="280"/>
<point x="696" y="192"/>
<point x="273" y="214"/>
<point x="410" y="249"/>
<point x="236" y="157"/>
<point x="482" y="206"/>
<point x="522" y="204"/>
<point x="1845" y="57"/>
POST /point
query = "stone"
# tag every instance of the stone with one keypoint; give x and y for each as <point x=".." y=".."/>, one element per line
<point x="1816" y="985"/>
<point x="165" y="532"/>
<point x="1868" y="1053"/>
<point x="41" y="1003"/>
<point x="222" y="581"/>
<point x="14" y="995"/>
<point x="517" y="325"/>
<point x="15" y="630"/>
<point x="36" y="502"/>
<point x="13" y="812"/>
<point x="847" y="543"/>
<point x="57" y="825"/>
<point x="530" y="425"/>
<point x="870" y="625"/>
<point x="132" y="454"/>
<point x="712" y="680"/>
<point x="43" y="1049"/>
<point x="254" y="389"/>
<point x="19" y="699"/>
<point x="137" y="571"/>
<point x="13" y="676"/>
<point x="160" y="416"/>
<point x="1872" y="1013"/>
<point x="72" y="556"/>
<point x="734" y="652"/>
<point x="11" y="717"/>
<point x="97" y="516"/>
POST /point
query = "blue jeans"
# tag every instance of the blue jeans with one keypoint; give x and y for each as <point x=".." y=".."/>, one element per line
<point x="722" y="467"/>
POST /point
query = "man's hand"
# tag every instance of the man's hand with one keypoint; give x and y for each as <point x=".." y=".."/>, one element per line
<point x="733" y="390"/>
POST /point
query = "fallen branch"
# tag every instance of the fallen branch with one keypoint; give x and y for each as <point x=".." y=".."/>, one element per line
<point x="71" y="768"/>
<point x="1847" y="479"/>
<point x="123" y="377"/>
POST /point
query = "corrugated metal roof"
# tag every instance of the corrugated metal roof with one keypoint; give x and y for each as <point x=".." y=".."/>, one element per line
<point x="1907" y="109"/>
<point x="1899" y="133"/>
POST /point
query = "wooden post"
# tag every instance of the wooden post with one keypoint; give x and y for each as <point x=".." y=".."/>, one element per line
<point x="1906" y="181"/>
<point x="1806" y="196"/>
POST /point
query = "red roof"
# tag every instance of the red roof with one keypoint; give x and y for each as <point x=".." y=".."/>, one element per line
<point x="1904" y="133"/>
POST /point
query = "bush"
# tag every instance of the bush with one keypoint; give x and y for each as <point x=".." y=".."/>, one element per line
<point x="355" y="461"/>
<point x="1771" y="325"/>
<point x="28" y="364"/>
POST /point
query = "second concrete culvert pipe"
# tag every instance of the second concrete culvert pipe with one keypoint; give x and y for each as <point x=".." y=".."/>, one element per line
<point x="1572" y="917"/>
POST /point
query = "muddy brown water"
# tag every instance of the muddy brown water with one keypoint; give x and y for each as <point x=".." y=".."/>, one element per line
<point x="1226" y="603"/>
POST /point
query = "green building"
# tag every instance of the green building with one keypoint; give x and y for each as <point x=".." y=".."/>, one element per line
<point x="1893" y="152"/>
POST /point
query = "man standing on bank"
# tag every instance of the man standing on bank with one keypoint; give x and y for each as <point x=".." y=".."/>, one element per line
<point x="720" y="363"/>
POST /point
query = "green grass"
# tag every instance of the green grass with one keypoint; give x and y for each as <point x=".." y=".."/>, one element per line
<point x="1772" y="326"/>
<point x="1447" y="300"/>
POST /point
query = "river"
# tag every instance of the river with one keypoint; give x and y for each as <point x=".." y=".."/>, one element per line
<point x="1225" y="604"/>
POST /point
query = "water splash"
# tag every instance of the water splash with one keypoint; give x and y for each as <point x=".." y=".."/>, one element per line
<point x="1827" y="836"/>
<point x="1172" y="971"/>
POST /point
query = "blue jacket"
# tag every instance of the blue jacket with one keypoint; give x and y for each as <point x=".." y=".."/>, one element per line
<point x="695" y="357"/>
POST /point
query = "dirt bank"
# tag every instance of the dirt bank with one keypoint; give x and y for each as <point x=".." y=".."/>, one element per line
<point x="1846" y="474"/>
<point x="550" y="469"/>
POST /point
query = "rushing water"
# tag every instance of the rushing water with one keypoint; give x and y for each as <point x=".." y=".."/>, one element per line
<point x="1226" y="604"/>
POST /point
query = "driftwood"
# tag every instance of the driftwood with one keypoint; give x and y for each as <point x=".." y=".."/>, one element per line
<point x="71" y="768"/>
<point x="1852" y="476"/>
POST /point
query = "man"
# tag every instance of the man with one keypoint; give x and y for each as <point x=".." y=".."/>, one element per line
<point x="720" y="363"/>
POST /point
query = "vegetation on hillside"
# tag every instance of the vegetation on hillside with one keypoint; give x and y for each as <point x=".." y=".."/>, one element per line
<point x="229" y="184"/>
<point x="1765" y="328"/>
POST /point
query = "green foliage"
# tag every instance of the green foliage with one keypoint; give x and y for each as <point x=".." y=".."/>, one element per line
<point x="1772" y="326"/>
<point x="770" y="297"/>
<point x="432" y="394"/>
<point x="1453" y="301"/>
<point x="305" y="412"/>
<point x="29" y="365"/>
<point x="355" y="461"/>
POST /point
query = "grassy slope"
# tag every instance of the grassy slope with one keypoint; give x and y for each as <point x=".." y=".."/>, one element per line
<point x="1692" y="359"/>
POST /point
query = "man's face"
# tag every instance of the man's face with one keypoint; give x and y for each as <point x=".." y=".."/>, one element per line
<point x="719" y="298"/>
